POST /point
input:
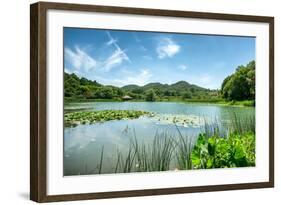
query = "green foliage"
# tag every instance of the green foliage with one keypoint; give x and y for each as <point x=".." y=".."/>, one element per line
<point x="187" y="95"/>
<point x="213" y="148"/>
<point x="83" y="117"/>
<point x="236" y="150"/>
<point x="141" y="157"/>
<point x="78" y="88"/>
<point x="183" y="149"/>
<point x="150" y="95"/>
<point x="241" y="84"/>
<point x="82" y="88"/>
<point x="154" y="157"/>
<point x="238" y="88"/>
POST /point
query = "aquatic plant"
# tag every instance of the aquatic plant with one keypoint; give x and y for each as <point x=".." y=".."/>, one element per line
<point x="156" y="156"/>
<point x="236" y="150"/>
<point x="241" y="125"/>
<point x="89" y="117"/>
<point x="183" y="148"/>
<point x="217" y="146"/>
<point x="142" y="157"/>
<point x="101" y="160"/>
<point x="178" y="120"/>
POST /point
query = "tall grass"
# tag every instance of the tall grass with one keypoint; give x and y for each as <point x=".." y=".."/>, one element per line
<point x="142" y="157"/>
<point x="156" y="156"/>
<point x="212" y="127"/>
<point x="242" y="125"/>
<point x="101" y="160"/>
<point x="169" y="151"/>
<point x="183" y="149"/>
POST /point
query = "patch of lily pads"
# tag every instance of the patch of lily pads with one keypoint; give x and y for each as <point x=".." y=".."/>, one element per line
<point x="179" y="120"/>
<point x="91" y="117"/>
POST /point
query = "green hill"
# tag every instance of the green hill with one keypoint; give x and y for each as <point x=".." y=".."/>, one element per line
<point x="239" y="86"/>
<point x="82" y="88"/>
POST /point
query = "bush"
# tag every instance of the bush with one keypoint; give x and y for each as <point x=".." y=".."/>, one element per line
<point x="150" y="95"/>
<point x="237" y="150"/>
<point x="241" y="84"/>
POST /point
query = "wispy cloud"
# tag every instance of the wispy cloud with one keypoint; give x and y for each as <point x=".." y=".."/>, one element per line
<point x="79" y="59"/>
<point x="111" y="41"/>
<point x="182" y="67"/>
<point x="67" y="70"/>
<point x="207" y="81"/>
<point x="140" y="78"/>
<point x="167" y="48"/>
<point x="117" y="57"/>
<point x="78" y="73"/>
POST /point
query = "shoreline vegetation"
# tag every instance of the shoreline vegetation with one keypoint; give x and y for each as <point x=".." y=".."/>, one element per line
<point x="245" y="103"/>
<point x="237" y="89"/>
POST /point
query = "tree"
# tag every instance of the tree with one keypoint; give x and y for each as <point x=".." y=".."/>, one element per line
<point x="241" y="84"/>
<point x="104" y="93"/>
<point x="187" y="95"/>
<point x="192" y="90"/>
<point x="150" y="95"/>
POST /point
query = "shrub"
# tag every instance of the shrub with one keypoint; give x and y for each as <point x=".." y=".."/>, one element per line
<point x="236" y="150"/>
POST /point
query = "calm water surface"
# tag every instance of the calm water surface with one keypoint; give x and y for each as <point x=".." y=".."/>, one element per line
<point x="83" y="143"/>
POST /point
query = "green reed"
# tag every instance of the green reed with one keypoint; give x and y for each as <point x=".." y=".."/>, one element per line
<point x="169" y="151"/>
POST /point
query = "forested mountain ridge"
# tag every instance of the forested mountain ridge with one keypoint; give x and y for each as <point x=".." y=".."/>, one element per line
<point x="179" y="86"/>
<point x="76" y="87"/>
<point x="238" y="86"/>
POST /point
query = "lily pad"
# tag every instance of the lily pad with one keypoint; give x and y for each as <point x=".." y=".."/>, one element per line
<point x="180" y="120"/>
<point x="90" y="117"/>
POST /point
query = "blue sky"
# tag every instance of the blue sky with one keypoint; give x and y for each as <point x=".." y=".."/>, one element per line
<point x="125" y="57"/>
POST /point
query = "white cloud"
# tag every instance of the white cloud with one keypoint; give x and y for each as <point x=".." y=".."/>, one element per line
<point x="141" y="78"/>
<point x="205" y="79"/>
<point x="111" y="41"/>
<point x="79" y="59"/>
<point x="182" y="67"/>
<point x="117" y="57"/>
<point x="67" y="70"/>
<point x="79" y="74"/>
<point x="167" y="48"/>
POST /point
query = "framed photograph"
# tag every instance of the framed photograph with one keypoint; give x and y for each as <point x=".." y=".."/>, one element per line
<point x="135" y="102"/>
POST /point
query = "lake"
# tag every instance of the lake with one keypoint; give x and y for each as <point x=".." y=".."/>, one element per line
<point x="83" y="144"/>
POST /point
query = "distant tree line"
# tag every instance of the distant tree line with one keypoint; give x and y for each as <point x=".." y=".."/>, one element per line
<point x="82" y="88"/>
<point x="238" y="86"/>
